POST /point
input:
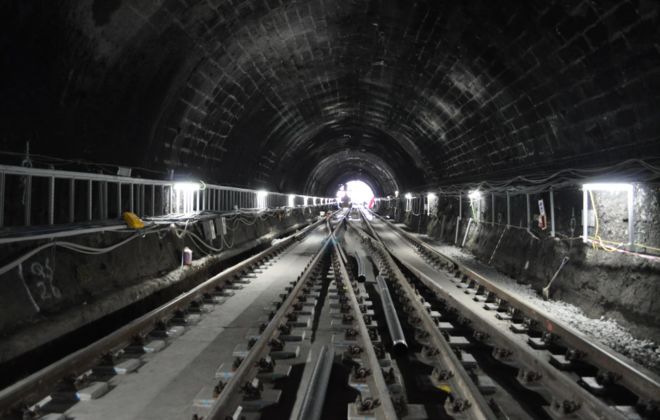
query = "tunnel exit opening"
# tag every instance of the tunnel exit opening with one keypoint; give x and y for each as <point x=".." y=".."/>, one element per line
<point x="355" y="192"/>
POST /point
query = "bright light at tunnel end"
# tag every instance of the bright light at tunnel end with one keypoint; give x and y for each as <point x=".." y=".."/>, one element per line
<point x="357" y="191"/>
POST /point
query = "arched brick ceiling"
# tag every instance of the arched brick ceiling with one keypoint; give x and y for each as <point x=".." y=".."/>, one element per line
<point x="265" y="93"/>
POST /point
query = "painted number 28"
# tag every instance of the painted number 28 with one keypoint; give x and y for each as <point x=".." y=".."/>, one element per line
<point x="47" y="290"/>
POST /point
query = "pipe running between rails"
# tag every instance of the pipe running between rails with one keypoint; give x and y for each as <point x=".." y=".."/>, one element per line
<point x="361" y="267"/>
<point x="640" y="381"/>
<point x="479" y="408"/>
<point x="382" y="391"/>
<point x="396" y="332"/>
<point x="221" y="409"/>
<point x="33" y="388"/>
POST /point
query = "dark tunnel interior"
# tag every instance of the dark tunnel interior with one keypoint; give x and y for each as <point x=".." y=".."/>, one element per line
<point x="193" y="189"/>
<point x="299" y="96"/>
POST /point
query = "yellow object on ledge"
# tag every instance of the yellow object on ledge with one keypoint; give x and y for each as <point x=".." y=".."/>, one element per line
<point x="132" y="220"/>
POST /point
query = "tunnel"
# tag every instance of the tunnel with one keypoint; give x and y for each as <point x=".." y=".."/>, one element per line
<point x="190" y="191"/>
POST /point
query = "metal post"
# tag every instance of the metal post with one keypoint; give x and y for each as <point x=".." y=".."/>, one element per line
<point x="103" y="199"/>
<point x="153" y="200"/>
<point x="460" y="216"/>
<point x="492" y="208"/>
<point x="119" y="207"/>
<point x="2" y="199"/>
<point x="51" y="200"/>
<point x="585" y="218"/>
<point x="72" y="200"/>
<point x="28" y="200"/>
<point x="508" y="209"/>
<point x="529" y="213"/>
<point x="552" y="213"/>
<point x="631" y="214"/>
<point x="163" y="203"/>
<point x="142" y="200"/>
<point x="89" y="199"/>
<point x="130" y="198"/>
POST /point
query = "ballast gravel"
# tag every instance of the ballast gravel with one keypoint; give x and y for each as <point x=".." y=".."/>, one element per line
<point x="607" y="331"/>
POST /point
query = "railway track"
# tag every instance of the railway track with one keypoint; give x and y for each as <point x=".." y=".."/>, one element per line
<point x="576" y="377"/>
<point x="352" y="320"/>
<point x="84" y="374"/>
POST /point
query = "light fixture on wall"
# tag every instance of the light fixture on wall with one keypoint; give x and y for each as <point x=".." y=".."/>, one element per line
<point x="608" y="186"/>
<point x="587" y="194"/>
<point x="261" y="199"/>
<point x="474" y="195"/>
<point x="431" y="200"/>
<point x="408" y="196"/>
<point x="184" y="196"/>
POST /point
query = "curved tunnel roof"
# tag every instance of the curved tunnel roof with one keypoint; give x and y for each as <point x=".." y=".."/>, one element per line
<point x="302" y="95"/>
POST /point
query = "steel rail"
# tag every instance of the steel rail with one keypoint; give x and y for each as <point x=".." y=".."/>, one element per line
<point x="33" y="388"/>
<point x="227" y="398"/>
<point x="640" y="381"/>
<point x="382" y="391"/>
<point x="312" y="404"/>
<point x="555" y="381"/>
<point x="461" y="380"/>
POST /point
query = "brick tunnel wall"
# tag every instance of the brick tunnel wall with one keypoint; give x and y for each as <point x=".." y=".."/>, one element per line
<point x="257" y="92"/>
